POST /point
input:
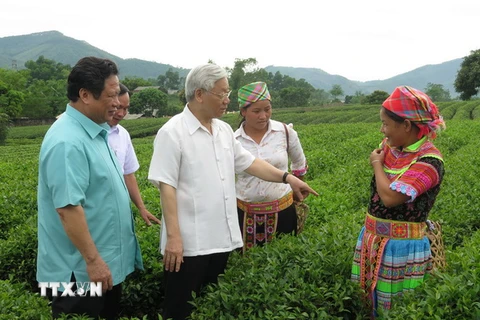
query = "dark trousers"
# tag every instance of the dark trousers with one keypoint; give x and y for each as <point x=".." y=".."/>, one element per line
<point x="107" y="306"/>
<point x="195" y="273"/>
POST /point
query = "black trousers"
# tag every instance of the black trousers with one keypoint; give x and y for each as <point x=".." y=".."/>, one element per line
<point x="195" y="273"/>
<point x="107" y="306"/>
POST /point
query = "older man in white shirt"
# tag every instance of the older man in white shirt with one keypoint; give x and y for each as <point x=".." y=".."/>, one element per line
<point x="119" y="140"/>
<point x="194" y="163"/>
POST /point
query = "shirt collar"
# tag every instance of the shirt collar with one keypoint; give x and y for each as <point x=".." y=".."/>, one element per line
<point x="272" y="126"/>
<point x="275" y="126"/>
<point x="415" y="146"/>
<point x="93" y="129"/>
<point x="239" y="132"/>
<point x="193" y="124"/>
<point x="114" y="129"/>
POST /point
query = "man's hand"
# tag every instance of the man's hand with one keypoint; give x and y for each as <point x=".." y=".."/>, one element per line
<point x="76" y="228"/>
<point x="301" y="190"/>
<point x="173" y="257"/>
<point x="98" y="271"/>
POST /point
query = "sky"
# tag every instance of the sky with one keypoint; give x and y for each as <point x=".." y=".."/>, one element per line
<point x="360" y="40"/>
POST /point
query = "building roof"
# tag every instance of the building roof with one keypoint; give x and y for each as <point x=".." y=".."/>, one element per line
<point x="137" y="89"/>
<point x="133" y="116"/>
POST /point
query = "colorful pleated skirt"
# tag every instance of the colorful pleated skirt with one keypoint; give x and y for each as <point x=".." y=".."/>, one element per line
<point x="387" y="266"/>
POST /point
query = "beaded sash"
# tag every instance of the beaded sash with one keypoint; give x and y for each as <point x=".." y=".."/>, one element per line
<point x="266" y="207"/>
<point x="395" y="229"/>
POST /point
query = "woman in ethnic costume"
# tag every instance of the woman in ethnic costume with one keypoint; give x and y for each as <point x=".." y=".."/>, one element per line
<point x="393" y="254"/>
<point x="266" y="208"/>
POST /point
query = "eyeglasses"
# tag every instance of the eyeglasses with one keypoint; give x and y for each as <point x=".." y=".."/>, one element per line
<point x="221" y="95"/>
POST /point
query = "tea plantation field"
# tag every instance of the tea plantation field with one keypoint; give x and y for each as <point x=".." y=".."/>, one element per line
<point x="304" y="277"/>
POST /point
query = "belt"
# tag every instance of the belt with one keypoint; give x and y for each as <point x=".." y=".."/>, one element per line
<point x="266" y="207"/>
<point x="395" y="229"/>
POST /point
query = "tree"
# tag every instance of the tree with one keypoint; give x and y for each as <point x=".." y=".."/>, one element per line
<point x="294" y="97"/>
<point x="318" y="97"/>
<point x="246" y="71"/>
<point x="45" y="99"/>
<point x="240" y="67"/>
<point x="467" y="81"/>
<point x="172" y="79"/>
<point x="436" y="92"/>
<point x="4" y="122"/>
<point x="358" y="98"/>
<point x="376" y="97"/>
<point x="12" y="87"/>
<point x="162" y="81"/>
<point x="46" y="69"/>
<point x="149" y="100"/>
<point x="336" y="91"/>
<point x="43" y="86"/>
<point x="14" y="80"/>
<point x="277" y="81"/>
<point x="11" y="103"/>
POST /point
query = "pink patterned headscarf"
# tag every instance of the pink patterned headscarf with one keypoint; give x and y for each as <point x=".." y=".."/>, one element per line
<point x="414" y="105"/>
<point x="252" y="93"/>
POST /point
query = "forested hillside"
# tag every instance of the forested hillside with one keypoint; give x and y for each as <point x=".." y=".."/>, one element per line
<point x="54" y="45"/>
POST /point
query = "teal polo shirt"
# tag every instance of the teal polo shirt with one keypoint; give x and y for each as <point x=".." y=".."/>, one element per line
<point x="77" y="167"/>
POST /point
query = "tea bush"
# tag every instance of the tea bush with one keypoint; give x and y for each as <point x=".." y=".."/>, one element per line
<point x="304" y="277"/>
<point x="21" y="303"/>
<point x="301" y="277"/>
<point x="453" y="294"/>
<point x="18" y="254"/>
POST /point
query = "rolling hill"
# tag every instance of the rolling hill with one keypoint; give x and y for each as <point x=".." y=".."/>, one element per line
<point x="444" y="74"/>
<point x="54" y="45"/>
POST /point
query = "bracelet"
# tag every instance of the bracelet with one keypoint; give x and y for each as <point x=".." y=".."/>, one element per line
<point x="284" y="178"/>
<point x="374" y="161"/>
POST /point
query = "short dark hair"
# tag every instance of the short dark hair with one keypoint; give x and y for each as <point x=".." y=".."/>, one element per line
<point x="89" y="73"/>
<point x="123" y="89"/>
<point x="395" y="117"/>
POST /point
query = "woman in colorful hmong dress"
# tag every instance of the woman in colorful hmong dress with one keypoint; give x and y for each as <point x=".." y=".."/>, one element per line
<point x="266" y="208"/>
<point x="393" y="254"/>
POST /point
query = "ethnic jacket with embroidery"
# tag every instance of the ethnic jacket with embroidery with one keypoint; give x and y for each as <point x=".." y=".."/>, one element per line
<point x="416" y="171"/>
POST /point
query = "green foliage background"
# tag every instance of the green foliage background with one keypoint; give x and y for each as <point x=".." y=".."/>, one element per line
<point x="304" y="277"/>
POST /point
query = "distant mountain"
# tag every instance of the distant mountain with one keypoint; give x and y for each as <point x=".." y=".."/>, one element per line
<point x="318" y="78"/>
<point x="443" y="73"/>
<point x="54" y="45"/>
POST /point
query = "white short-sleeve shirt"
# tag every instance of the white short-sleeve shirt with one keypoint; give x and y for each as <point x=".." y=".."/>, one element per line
<point x="273" y="149"/>
<point x="201" y="167"/>
<point x="120" y="142"/>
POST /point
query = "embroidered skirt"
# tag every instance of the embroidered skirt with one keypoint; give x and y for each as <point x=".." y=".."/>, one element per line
<point x="258" y="225"/>
<point x="391" y="257"/>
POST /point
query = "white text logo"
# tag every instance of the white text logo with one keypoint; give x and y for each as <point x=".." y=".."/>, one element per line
<point x="71" y="289"/>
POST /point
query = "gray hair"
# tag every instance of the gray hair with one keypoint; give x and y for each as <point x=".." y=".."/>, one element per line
<point x="203" y="77"/>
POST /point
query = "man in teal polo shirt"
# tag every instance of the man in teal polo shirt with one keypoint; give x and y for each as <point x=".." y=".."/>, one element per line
<point x="85" y="224"/>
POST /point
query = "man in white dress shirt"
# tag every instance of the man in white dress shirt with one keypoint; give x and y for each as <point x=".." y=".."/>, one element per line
<point x="194" y="162"/>
<point x="119" y="140"/>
